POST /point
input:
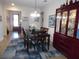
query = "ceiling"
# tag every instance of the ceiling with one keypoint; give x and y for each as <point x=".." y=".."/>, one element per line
<point x="30" y="3"/>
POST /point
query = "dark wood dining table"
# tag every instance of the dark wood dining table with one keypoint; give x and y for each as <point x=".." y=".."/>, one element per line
<point x="36" y="37"/>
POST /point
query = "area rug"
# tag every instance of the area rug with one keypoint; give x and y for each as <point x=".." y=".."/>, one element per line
<point x="16" y="50"/>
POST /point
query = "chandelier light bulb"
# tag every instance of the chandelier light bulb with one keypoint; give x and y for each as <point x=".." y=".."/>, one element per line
<point x="13" y="4"/>
<point x="35" y="14"/>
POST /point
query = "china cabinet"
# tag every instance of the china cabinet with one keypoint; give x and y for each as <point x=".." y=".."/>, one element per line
<point x="66" y="35"/>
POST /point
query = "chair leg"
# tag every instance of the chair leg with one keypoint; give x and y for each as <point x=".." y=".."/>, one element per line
<point x="27" y="47"/>
<point x="34" y="47"/>
<point x="48" y="42"/>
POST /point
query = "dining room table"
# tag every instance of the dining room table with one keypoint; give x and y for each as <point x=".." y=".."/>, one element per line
<point x="35" y="38"/>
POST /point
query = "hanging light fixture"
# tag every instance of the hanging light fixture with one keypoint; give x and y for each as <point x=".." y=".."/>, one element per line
<point x="35" y="13"/>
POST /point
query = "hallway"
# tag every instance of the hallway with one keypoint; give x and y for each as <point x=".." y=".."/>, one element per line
<point x="16" y="50"/>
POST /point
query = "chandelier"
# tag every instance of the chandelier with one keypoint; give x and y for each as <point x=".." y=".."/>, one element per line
<point x="35" y="13"/>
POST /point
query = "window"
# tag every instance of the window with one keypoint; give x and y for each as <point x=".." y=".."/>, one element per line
<point x="15" y="21"/>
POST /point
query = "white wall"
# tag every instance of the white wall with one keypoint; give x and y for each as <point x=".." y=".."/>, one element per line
<point x="1" y="22"/>
<point x="50" y="10"/>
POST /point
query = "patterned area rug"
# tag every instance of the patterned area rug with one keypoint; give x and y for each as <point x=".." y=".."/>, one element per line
<point x="16" y="50"/>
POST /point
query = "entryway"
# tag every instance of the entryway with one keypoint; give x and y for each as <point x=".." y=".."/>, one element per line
<point x="14" y="20"/>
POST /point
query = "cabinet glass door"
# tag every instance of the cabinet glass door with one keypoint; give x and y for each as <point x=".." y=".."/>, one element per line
<point x="63" y="24"/>
<point x="71" y="23"/>
<point x="78" y="30"/>
<point x="58" y="22"/>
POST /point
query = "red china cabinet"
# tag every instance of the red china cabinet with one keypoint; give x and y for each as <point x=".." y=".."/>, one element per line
<point x="66" y="35"/>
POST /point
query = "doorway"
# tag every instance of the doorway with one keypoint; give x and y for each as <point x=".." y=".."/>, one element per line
<point x="14" y="20"/>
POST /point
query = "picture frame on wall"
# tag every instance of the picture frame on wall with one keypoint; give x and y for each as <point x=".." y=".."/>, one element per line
<point x="51" y="21"/>
<point x="0" y="18"/>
